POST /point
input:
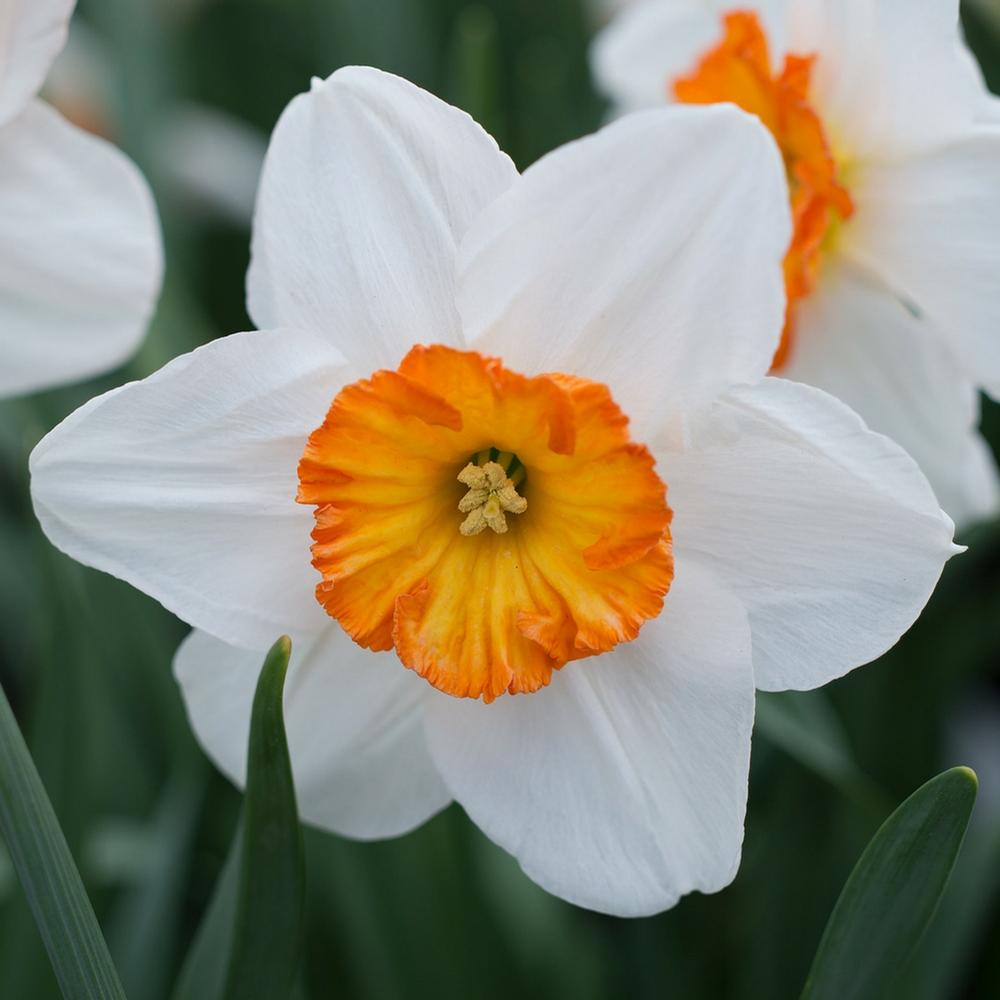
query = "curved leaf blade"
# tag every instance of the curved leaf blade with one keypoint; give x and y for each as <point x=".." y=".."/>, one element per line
<point x="892" y="893"/>
<point x="267" y="935"/>
<point x="203" y="975"/>
<point x="48" y="875"/>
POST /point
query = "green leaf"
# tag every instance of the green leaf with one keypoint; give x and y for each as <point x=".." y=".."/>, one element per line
<point x="203" y="976"/>
<point x="892" y="893"/>
<point x="143" y="925"/>
<point x="268" y="931"/>
<point x="45" y="867"/>
<point x="962" y="922"/>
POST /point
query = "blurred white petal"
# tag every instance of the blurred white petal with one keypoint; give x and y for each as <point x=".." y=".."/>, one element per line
<point x="32" y="32"/>
<point x="647" y="46"/>
<point x="893" y="76"/>
<point x="80" y="253"/>
<point x="862" y="345"/>
<point x="928" y="228"/>
<point x="638" y="56"/>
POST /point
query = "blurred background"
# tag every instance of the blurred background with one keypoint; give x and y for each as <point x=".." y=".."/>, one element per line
<point x="191" y="89"/>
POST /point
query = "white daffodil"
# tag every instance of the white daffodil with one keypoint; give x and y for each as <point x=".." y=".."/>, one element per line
<point x="455" y="370"/>
<point x="80" y="254"/>
<point x="884" y="123"/>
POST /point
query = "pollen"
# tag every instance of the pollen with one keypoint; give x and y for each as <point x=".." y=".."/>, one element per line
<point x="564" y="550"/>
<point x="739" y="70"/>
<point x="491" y="495"/>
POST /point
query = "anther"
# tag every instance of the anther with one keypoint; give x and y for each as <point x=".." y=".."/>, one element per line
<point x="490" y="495"/>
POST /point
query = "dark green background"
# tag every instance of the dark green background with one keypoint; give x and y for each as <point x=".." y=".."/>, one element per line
<point x="442" y="913"/>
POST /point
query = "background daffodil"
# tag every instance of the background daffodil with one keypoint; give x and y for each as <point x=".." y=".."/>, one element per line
<point x="80" y="254"/>
<point x="892" y="149"/>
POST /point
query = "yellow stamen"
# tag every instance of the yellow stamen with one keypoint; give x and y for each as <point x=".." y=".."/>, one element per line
<point x="490" y="494"/>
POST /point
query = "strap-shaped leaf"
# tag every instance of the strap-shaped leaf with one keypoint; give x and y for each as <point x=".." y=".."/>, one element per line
<point x="48" y="875"/>
<point x="203" y="976"/>
<point x="267" y="935"/>
<point x="893" y="891"/>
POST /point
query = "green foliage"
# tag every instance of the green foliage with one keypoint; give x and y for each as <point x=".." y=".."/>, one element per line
<point x="268" y="928"/>
<point x="51" y="883"/>
<point x="203" y="976"/>
<point x="892" y="893"/>
<point x="250" y="939"/>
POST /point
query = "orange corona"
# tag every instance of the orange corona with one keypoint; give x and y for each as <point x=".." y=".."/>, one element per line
<point x="488" y="526"/>
<point x="739" y="70"/>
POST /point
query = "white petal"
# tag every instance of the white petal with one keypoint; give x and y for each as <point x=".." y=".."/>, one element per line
<point x="184" y="484"/>
<point x="827" y="531"/>
<point x="892" y="75"/>
<point x="638" y="56"/>
<point x="647" y="256"/>
<point x="863" y="346"/>
<point x="368" y="185"/>
<point x="929" y="228"/>
<point x="354" y="722"/>
<point x="32" y="33"/>
<point x="622" y="786"/>
<point x="80" y="254"/>
<point x="990" y="110"/>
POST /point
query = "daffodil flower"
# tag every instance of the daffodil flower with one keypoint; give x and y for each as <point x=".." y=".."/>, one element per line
<point x="561" y="525"/>
<point x="892" y="148"/>
<point x="80" y="254"/>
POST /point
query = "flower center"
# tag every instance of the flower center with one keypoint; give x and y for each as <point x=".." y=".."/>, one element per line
<point x="496" y="606"/>
<point x="739" y="70"/>
<point x="492" y="492"/>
